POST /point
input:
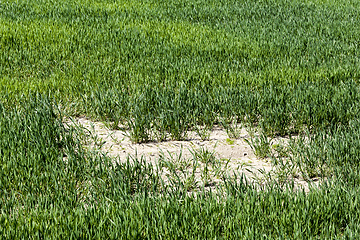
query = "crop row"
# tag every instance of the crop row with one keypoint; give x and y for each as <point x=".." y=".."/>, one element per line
<point x="157" y="114"/>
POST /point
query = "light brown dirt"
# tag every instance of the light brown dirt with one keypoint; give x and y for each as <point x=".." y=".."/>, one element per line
<point x="238" y="154"/>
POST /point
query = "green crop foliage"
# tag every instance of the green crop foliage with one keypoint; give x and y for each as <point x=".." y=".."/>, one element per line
<point x="159" y="69"/>
<point x="199" y="62"/>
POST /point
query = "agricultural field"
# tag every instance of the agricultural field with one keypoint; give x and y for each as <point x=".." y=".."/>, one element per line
<point x="274" y="81"/>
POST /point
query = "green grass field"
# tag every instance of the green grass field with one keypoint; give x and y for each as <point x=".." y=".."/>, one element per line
<point x="161" y="68"/>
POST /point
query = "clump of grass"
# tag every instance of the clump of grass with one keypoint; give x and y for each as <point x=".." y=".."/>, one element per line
<point x="203" y="132"/>
<point x="212" y="168"/>
<point x="232" y="127"/>
<point x="181" y="170"/>
<point x="261" y="145"/>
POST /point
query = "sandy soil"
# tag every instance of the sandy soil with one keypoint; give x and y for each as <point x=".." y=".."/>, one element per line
<point x="236" y="154"/>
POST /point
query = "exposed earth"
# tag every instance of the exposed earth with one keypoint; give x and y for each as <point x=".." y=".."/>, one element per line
<point x="216" y="156"/>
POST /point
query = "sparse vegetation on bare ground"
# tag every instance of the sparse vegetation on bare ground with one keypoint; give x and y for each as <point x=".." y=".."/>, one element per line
<point x="239" y="84"/>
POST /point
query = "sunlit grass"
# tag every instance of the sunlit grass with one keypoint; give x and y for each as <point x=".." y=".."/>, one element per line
<point x="160" y="69"/>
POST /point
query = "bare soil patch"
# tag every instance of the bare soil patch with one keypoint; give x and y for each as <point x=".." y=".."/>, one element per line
<point x="231" y="155"/>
